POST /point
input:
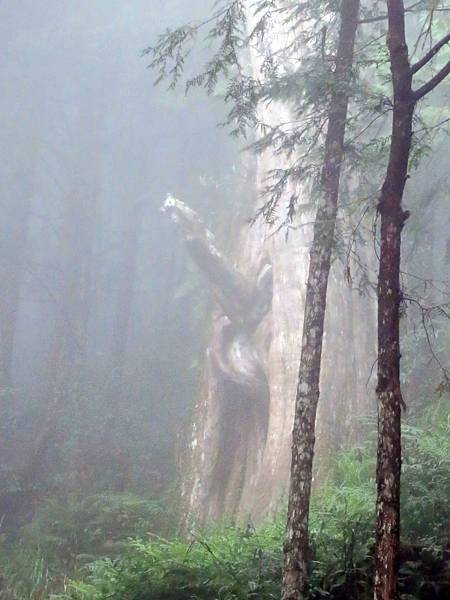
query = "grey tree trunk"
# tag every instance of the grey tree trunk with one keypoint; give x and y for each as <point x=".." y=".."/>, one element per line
<point x="239" y="455"/>
<point x="125" y="293"/>
<point x="13" y="246"/>
<point x="238" y="460"/>
<point x="296" y="549"/>
<point x="69" y="337"/>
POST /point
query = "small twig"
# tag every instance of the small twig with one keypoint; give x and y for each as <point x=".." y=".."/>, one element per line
<point x="425" y="313"/>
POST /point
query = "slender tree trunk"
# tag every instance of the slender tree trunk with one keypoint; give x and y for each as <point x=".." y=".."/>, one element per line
<point x="389" y="298"/>
<point x="393" y="217"/>
<point x="297" y="542"/>
<point x="12" y="263"/>
<point x="125" y="293"/>
<point x="116" y="390"/>
<point x="68" y="354"/>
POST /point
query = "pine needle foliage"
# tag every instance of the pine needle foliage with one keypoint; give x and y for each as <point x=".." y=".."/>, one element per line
<point x="298" y="71"/>
<point x="296" y="46"/>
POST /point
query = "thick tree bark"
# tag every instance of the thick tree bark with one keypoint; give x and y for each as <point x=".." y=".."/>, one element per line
<point x="258" y="469"/>
<point x="231" y="288"/>
<point x="232" y="361"/>
<point x="297" y="544"/>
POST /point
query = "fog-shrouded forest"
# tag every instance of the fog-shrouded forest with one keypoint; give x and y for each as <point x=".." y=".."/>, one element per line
<point x="225" y="300"/>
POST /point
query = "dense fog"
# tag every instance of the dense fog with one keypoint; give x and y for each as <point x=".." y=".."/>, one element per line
<point x="149" y="369"/>
<point x="94" y="277"/>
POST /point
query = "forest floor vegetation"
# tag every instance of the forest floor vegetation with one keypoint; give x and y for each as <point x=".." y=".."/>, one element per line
<point x="97" y="549"/>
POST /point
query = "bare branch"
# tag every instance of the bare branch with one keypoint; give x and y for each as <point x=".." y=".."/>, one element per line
<point x="431" y="54"/>
<point x="432" y="83"/>
<point x="426" y="316"/>
<point x="411" y="9"/>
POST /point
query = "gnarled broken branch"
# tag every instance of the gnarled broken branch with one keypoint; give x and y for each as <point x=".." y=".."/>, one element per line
<point x="242" y="302"/>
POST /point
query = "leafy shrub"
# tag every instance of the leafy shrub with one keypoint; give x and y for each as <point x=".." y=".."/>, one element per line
<point x="82" y="529"/>
<point x="426" y="476"/>
<point x="341" y="523"/>
<point x="228" y="564"/>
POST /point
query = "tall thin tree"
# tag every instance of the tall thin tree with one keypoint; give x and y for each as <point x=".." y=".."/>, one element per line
<point x="393" y="218"/>
<point x="297" y="540"/>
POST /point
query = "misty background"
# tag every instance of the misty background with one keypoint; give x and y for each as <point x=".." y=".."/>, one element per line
<point x="97" y="291"/>
<point x="105" y="318"/>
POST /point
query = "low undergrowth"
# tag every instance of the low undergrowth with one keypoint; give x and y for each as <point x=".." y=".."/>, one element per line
<point x="241" y="563"/>
<point x="67" y="533"/>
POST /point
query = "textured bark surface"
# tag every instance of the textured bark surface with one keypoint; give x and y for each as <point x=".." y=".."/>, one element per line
<point x="296" y="548"/>
<point x="393" y="217"/>
<point x="240" y="447"/>
<point x="389" y="299"/>
<point x="239" y="455"/>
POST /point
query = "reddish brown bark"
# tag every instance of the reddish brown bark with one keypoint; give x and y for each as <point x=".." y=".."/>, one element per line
<point x="297" y="543"/>
<point x="389" y="299"/>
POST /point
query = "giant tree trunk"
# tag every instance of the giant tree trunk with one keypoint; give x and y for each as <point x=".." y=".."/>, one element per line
<point x="296" y="548"/>
<point x="239" y="456"/>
